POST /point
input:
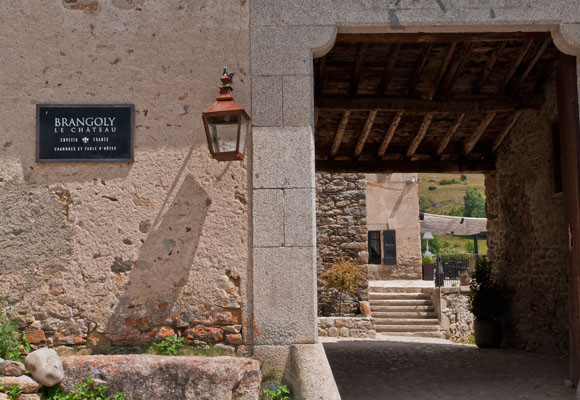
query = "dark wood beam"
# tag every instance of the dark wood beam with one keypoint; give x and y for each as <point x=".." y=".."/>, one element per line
<point x="543" y="46"/>
<point x="440" y="166"/>
<point x="448" y="135"/>
<point x="486" y="72"/>
<point x="392" y="58"/>
<point x="320" y="75"/>
<point x="476" y="135"/>
<point x="316" y="116"/>
<point x="456" y="68"/>
<point x="419" y="67"/>
<point x="339" y="133"/>
<point x="499" y="140"/>
<point x="427" y="119"/>
<point x="442" y="70"/>
<point x="358" y="68"/>
<point x="365" y="133"/>
<point x="471" y="104"/>
<point x="515" y="64"/>
<point x="428" y="37"/>
<point x="390" y="133"/>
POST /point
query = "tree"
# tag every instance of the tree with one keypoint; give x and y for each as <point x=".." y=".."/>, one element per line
<point x="474" y="203"/>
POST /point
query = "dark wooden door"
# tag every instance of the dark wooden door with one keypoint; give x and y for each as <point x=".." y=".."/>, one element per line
<point x="390" y="247"/>
<point x="567" y="94"/>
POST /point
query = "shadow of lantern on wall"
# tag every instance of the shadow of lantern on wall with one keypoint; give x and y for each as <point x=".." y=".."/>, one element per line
<point x="226" y="124"/>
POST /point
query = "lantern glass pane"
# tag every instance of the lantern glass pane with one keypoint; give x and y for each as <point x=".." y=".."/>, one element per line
<point x="223" y="131"/>
<point x="243" y="134"/>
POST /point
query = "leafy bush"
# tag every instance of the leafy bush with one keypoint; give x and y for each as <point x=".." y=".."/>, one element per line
<point x="344" y="276"/>
<point x="86" y="390"/>
<point x="427" y="260"/>
<point x="13" y="345"/>
<point x="463" y="178"/>
<point x="448" y="182"/>
<point x="281" y="393"/>
<point x="432" y="188"/>
<point x="474" y="203"/>
<point x="470" y="246"/>
<point x="169" y="346"/>
<point x="456" y="212"/>
<point x="486" y="300"/>
<point x="13" y="392"/>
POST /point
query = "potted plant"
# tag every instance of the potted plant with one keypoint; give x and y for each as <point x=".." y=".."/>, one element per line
<point x="428" y="269"/>
<point x="486" y="303"/>
<point x="464" y="279"/>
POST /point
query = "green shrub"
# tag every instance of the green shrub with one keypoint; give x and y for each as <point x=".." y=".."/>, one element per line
<point x="486" y="300"/>
<point x="427" y="260"/>
<point x="169" y="346"/>
<point x="281" y="393"/>
<point x="86" y="390"/>
<point x="13" y="392"/>
<point x="432" y="188"/>
<point x="13" y="345"/>
<point x="448" y="182"/>
<point x="344" y="276"/>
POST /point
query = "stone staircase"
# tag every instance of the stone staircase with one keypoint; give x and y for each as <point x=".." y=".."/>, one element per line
<point x="404" y="311"/>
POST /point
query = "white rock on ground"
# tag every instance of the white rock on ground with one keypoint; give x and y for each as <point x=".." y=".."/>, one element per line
<point x="45" y="366"/>
<point x="11" y="368"/>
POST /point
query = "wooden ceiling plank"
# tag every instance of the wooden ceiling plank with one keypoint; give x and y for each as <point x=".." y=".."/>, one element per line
<point x="365" y="133"/>
<point x="320" y="75"/>
<point x="515" y="64"/>
<point x="438" y="37"/>
<point x="358" y="68"/>
<point x="380" y="166"/>
<point x="339" y="133"/>
<point x="419" y="67"/>
<point x="390" y="133"/>
<point x="316" y="116"/>
<point x="442" y="70"/>
<point x="486" y="72"/>
<point x="499" y="140"/>
<point x="427" y="119"/>
<point x="456" y="69"/>
<point x="532" y="64"/>
<point x="476" y="135"/>
<point x="393" y="54"/>
<point x="472" y="104"/>
<point x="448" y="135"/>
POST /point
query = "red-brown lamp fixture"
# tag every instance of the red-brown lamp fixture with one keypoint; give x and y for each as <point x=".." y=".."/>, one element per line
<point x="226" y="124"/>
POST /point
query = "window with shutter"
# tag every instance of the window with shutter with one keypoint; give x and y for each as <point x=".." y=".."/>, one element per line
<point x="390" y="247"/>
<point x="374" y="247"/>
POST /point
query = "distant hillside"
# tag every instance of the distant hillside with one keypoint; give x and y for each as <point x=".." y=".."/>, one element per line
<point x="438" y="198"/>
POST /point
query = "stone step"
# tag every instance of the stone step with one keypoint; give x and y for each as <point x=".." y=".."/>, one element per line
<point x="400" y="296"/>
<point x="429" y="308"/>
<point x="406" y="321"/>
<point x="406" y="328"/>
<point x="408" y="314"/>
<point x="434" y="334"/>
<point x="398" y="302"/>
<point x="382" y="289"/>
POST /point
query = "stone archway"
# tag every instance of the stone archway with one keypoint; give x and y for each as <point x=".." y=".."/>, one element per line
<point x="285" y="37"/>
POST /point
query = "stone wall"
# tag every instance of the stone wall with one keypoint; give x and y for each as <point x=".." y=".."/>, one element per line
<point x="124" y="253"/>
<point x="526" y="234"/>
<point x="455" y="319"/>
<point x="347" y="327"/>
<point x="341" y="233"/>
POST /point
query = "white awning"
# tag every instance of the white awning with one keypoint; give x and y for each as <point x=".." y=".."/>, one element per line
<point x="447" y="225"/>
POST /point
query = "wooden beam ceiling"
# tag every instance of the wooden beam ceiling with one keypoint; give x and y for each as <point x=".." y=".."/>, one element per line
<point x="390" y="133"/>
<point x="471" y="104"/>
<point x="340" y="133"/>
<point x="442" y="166"/>
<point x="474" y="138"/>
<point x="365" y="133"/>
<point x="427" y="119"/>
<point x="445" y="141"/>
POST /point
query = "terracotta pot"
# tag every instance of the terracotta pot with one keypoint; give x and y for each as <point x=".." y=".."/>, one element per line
<point x="487" y="334"/>
<point x="464" y="280"/>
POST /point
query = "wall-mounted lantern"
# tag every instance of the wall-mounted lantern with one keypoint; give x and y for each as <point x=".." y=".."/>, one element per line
<point x="226" y="124"/>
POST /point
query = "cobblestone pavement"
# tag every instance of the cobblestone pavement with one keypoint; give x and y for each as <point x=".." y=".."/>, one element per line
<point x="401" y="369"/>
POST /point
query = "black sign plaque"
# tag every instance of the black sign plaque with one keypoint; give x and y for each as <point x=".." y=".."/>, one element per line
<point x="89" y="133"/>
